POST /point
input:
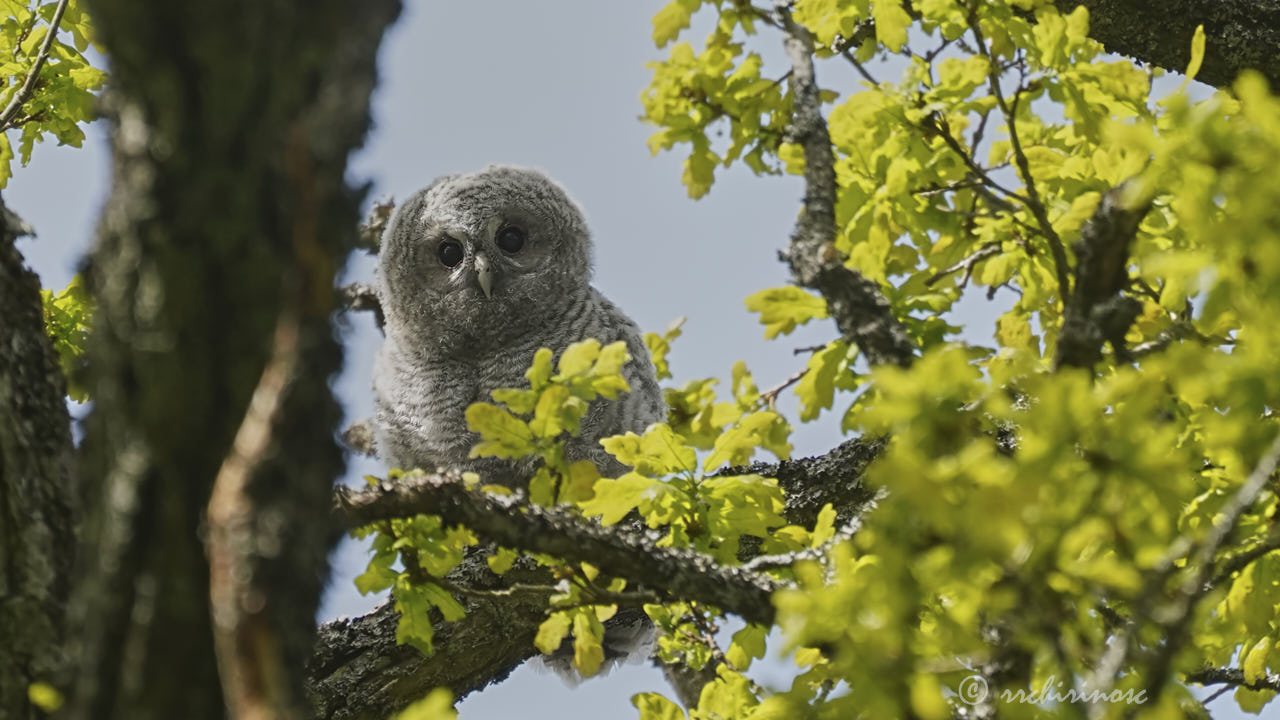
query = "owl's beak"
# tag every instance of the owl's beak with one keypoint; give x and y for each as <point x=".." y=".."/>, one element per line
<point x="484" y="274"/>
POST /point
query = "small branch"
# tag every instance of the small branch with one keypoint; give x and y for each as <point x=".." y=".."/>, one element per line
<point x="29" y="85"/>
<point x="358" y="297"/>
<point x="1176" y="615"/>
<point x="1233" y="677"/>
<point x="31" y="117"/>
<point x="860" y="310"/>
<point x="834" y="478"/>
<point x="1096" y="311"/>
<point x="862" y="70"/>
<point x="943" y="129"/>
<point x="1242" y="560"/>
<point x="770" y="562"/>
<point x="616" y="550"/>
<point x="247" y="651"/>
<point x="770" y="396"/>
<point x="966" y="264"/>
<point x="1032" y="198"/>
<point x="369" y="237"/>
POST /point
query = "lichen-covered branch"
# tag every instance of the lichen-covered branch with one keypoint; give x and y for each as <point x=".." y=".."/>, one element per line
<point x="1096" y="312"/>
<point x="37" y="522"/>
<point x="359" y="670"/>
<point x="860" y="310"/>
<point x="619" y="550"/>
<point x="1233" y="677"/>
<point x="834" y="478"/>
<point x="1239" y="34"/>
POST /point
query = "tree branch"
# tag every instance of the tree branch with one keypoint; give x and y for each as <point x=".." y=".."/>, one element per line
<point x="617" y="551"/>
<point x="859" y="308"/>
<point x="1096" y="312"/>
<point x="1239" y="34"/>
<point x="359" y="670"/>
<point x="29" y="85"/>
<point x="374" y="224"/>
<point x="1175" y="614"/>
<point x="1233" y="677"/>
<point x="359" y="297"/>
<point x="1242" y="560"/>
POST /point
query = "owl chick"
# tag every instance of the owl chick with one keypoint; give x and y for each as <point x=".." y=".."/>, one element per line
<point x="476" y="273"/>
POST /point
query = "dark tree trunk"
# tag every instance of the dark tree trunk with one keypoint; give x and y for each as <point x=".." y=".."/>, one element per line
<point x="211" y="352"/>
<point x="37" y="539"/>
<point x="1239" y="34"/>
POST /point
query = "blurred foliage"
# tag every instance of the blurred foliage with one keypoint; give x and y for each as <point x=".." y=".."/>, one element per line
<point x="1066" y="525"/>
<point x="66" y="318"/>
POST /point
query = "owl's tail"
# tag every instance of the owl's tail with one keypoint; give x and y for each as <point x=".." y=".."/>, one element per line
<point x="629" y="637"/>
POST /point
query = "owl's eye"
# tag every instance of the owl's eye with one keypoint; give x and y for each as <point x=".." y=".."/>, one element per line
<point x="450" y="253"/>
<point x="510" y="239"/>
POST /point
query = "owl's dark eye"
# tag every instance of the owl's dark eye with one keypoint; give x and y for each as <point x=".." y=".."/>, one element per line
<point x="450" y="253"/>
<point x="510" y="239"/>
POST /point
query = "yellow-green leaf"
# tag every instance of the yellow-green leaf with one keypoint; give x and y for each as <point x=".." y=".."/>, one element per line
<point x="782" y="309"/>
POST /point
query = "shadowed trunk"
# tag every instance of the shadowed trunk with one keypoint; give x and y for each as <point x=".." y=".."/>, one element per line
<point x="212" y="348"/>
<point x="37" y="538"/>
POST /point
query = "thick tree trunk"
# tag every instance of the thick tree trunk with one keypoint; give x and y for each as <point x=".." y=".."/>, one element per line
<point x="37" y="539"/>
<point x="1239" y="34"/>
<point x="212" y="348"/>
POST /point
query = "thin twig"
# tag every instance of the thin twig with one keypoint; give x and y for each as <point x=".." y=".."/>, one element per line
<point x="943" y="129"/>
<point x="860" y="68"/>
<point x="29" y="85"/>
<point x="860" y="309"/>
<point x="1178" y="613"/>
<point x="1242" y="560"/>
<point x="770" y="396"/>
<point x="1033" y="201"/>
<point x="966" y="264"/>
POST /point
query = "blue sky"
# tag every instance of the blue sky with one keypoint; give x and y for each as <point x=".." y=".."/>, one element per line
<point x="554" y="85"/>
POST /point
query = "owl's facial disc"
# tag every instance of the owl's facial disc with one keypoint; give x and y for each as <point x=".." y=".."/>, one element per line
<point x="484" y="274"/>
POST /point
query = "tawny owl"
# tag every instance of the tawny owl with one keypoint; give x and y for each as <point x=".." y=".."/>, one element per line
<point x="477" y="272"/>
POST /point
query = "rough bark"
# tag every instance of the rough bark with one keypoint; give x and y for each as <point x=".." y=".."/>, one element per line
<point x="1239" y="34"/>
<point x="619" y="551"/>
<point x="227" y="219"/>
<point x="359" y="671"/>
<point x="855" y="302"/>
<point x="1096" y="311"/>
<point x="37" y="538"/>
